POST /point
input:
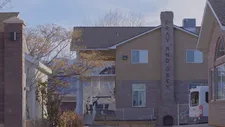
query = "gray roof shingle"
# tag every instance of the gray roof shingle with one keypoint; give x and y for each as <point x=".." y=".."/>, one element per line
<point x="104" y="37"/>
<point x="219" y="8"/>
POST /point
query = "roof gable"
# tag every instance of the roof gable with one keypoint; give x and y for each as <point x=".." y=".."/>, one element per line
<point x="218" y="9"/>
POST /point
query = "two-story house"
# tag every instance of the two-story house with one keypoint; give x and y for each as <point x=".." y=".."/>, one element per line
<point x="212" y="43"/>
<point x="154" y="66"/>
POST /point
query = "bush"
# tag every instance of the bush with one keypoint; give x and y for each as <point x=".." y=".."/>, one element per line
<point x="70" y="119"/>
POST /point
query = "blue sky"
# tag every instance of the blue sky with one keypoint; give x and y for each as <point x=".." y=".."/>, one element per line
<point x="69" y="13"/>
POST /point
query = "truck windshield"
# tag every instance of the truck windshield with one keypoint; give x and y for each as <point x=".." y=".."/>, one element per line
<point x="194" y="99"/>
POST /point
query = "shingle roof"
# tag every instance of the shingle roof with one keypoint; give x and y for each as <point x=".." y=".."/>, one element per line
<point x="219" y="8"/>
<point x="104" y="37"/>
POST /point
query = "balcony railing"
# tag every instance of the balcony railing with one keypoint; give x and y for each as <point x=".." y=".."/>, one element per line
<point x="108" y="69"/>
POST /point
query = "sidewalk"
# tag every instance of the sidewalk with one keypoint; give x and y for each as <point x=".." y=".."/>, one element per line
<point x="196" y="125"/>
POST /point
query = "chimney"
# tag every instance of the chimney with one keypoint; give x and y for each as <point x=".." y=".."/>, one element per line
<point x="167" y="110"/>
<point x="190" y="25"/>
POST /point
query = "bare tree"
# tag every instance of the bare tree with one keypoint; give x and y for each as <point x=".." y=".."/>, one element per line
<point x="3" y="3"/>
<point x="50" y="45"/>
<point x="119" y="18"/>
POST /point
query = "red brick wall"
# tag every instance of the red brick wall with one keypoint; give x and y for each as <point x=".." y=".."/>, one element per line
<point x="13" y="77"/>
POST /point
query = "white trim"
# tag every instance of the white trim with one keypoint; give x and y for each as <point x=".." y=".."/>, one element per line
<point x="39" y="64"/>
<point x="216" y="95"/>
<point x="114" y="46"/>
<point x="215" y="15"/>
<point x="185" y="31"/>
<point x="145" y="90"/>
<point x="199" y="36"/>
<point x="94" y="49"/>
<point x="103" y="75"/>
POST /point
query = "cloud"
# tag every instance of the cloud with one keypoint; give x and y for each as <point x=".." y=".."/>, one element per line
<point x="181" y="8"/>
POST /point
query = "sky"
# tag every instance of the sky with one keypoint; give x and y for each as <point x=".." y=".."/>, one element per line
<point x="70" y="13"/>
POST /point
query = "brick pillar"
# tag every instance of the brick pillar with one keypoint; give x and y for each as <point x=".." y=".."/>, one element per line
<point x="167" y="102"/>
<point x="14" y="99"/>
<point x="1" y="78"/>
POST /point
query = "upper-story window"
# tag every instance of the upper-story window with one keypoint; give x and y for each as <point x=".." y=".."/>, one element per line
<point x="139" y="56"/>
<point x="220" y="51"/>
<point x="194" y="56"/>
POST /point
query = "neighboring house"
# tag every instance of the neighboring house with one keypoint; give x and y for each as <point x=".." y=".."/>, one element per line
<point x="154" y="66"/>
<point x="12" y="68"/>
<point x="100" y="83"/>
<point x="36" y="72"/>
<point x="212" y="43"/>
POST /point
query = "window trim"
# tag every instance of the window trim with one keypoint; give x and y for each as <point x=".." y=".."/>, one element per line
<point x="212" y="94"/>
<point x="143" y="106"/>
<point x="222" y="99"/>
<point x="218" y="46"/>
<point x="194" y="62"/>
<point x="139" y="56"/>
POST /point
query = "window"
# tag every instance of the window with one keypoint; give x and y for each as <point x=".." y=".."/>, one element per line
<point x="220" y="48"/>
<point x="139" y="56"/>
<point x="206" y="97"/>
<point x="212" y="84"/>
<point x="139" y="95"/>
<point x="194" y="85"/>
<point x="194" y="98"/>
<point x="220" y="82"/>
<point x="194" y="56"/>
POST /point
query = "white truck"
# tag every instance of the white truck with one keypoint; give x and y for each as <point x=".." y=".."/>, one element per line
<point x="198" y="104"/>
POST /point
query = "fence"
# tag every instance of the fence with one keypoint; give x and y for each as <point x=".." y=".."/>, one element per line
<point x="183" y="114"/>
<point x="128" y="114"/>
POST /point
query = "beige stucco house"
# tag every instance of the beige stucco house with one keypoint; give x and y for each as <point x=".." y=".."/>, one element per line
<point x="211" y="42"/>
<point x="154" y="67"/>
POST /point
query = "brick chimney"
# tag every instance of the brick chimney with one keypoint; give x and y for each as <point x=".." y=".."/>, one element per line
<point x="14" y="94"/>
<point x="167" y="105"/>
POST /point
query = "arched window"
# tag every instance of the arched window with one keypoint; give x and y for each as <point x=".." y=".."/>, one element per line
<point x="220" y="50"/>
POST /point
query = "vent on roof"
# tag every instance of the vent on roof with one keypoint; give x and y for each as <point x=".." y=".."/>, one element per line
<point x="190" y="25"/>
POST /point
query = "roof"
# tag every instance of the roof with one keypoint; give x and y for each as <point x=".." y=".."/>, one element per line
<point x="218" y="7"/>
<point x="104" y="37"/>
<point x="6" y="15"/>
<point x="39" y="64"/>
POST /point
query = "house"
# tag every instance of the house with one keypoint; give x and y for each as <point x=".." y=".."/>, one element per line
<point x="100" y="82"/>
<point x="211" y="42"/>
<point x="35" y="72"/>
<point x="154" y="67"/>
<point x="12" y="70"/>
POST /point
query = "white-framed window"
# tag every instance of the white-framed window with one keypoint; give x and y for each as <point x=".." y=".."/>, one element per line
<point x="194" y="56"/>
<point x="138" y="95"/>
<point x="220" y="82"/>
<point x="139" y="56"/>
